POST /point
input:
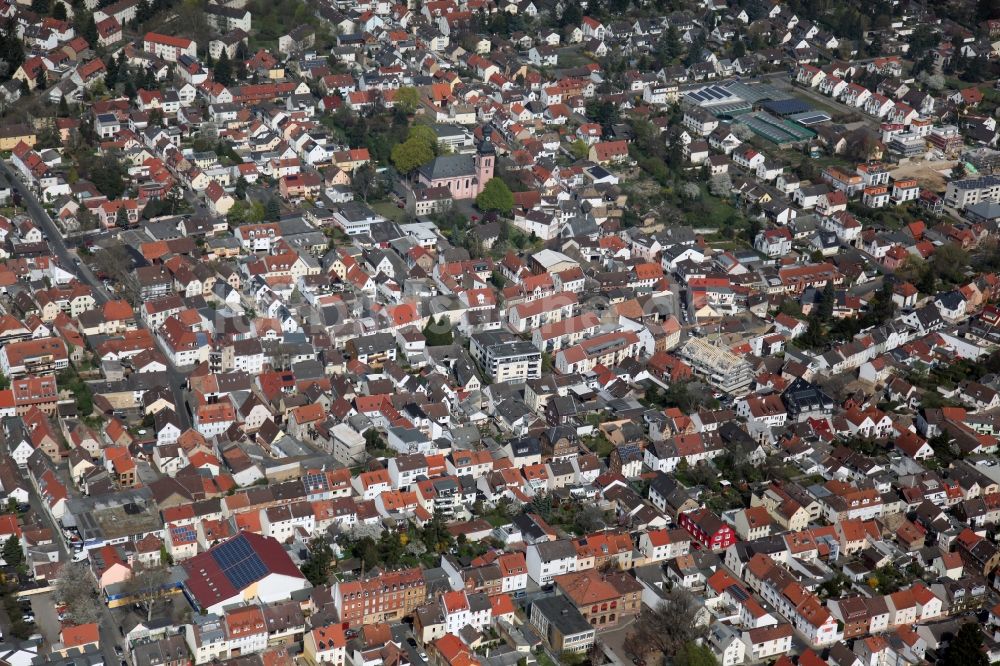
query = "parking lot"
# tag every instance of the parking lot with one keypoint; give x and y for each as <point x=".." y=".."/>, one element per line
<point x="44" y="606"/>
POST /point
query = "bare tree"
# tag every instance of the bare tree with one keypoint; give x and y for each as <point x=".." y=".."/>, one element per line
<point x="669" y="626"/>
<point x="690" y="191"/>
<point x="148" y="585"/>
<point x="359" y="531"/>
<point x="364" y="181"/>
<point x="112" y="260"/>
<point x="721" y="185"/>
<point x="742" y="132"/>
<point x="75" y="587"/>
<point x="932" y="81"/>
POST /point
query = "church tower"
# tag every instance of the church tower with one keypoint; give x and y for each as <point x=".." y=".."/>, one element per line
<point x="486" y="156"/>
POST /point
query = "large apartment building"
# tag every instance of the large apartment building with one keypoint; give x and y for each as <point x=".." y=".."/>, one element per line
<point x="969" y="191"/>
<point x="169" y="48"/>
<point x="506" y="358"/>
<point x="722" y="368"/>
<point x="386" y="598"/>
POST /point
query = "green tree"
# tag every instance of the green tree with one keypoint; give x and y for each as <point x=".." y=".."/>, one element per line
<point x="223" y="69"/>
<point x="436" y="536"/>
<point x="243" y="212"/>
<point x="949" y="262"/>
<point x="496" y="196"/>
<point x="84" y="21"/>
<point x="927" y="283"/>
<point x="827" y="301"/>
<point x="240" y="189"/>
<point x="424" y="133"/>
<point x="59" y="11"/>
<point x="571" y="14"/>
<point x="11" y="51"/>
<point x="41" y="80"/>
<point x="374" y="440"/>
<point x="108" y="176"/>
<point x="12" y="553"/>
<point x="316" y="568"/>
<point x="143" y="12"/>
<point x="987" y="10"/>
<point x="407" y="99"/>
<point x="671" y="44"/>
<point x="815" y="335"/>
<point x="411" y="154"/>
<point x="579" y="149"/>
<point x="121" y="218"/>
<point x="966" y="647"/>
<point x="112" y="73"/>
<point x="603" y="112"/>
<point x="273" y="210"/>
<point x="40" y="6"/>
<point x="438" y="332"/>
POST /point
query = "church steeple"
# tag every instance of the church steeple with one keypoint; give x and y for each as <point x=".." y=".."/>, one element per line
<point x="486" y="155"/>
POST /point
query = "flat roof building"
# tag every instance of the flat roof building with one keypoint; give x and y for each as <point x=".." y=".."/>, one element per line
<point x="561" y="625"/>
<point x="722" y="368"/>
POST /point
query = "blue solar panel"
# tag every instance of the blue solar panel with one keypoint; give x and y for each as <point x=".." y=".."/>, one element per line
<point x="232" y="552"/>
<point x="184" y="533"/>
<point x="786" y="107"/>
<point x="239" y="563"/>
<point x="811" y="118"/>
<point x="246" y="572"/>
<point x="315" y="480"/>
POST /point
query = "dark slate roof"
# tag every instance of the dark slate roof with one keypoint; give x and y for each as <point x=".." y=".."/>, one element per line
<point x="449" y="166"/>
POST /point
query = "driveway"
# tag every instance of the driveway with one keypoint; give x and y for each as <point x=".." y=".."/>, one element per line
<point x="614" y="642"/>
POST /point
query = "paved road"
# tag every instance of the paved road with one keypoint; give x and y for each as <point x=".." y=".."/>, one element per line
<point x="614" y="642"/>
<point x="108" y="627"/>
<point x="70" y="261"/>
<point x="400" y="634"/>
<point x="55" y="239"/>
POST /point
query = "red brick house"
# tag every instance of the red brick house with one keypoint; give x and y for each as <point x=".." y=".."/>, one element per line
<point x="708" y="530"/>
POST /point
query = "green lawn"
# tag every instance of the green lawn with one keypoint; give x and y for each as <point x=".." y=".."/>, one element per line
<point x="572" y="57"/>
<point x="600" y="446"/>
<point x="388" y="210"/>
<point x="718" y="209"/>
<point x="544" y="660"/>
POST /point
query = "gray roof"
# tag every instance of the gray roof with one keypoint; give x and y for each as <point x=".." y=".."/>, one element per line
<point x="559" y="611"/>
<point x="555" y="550"/>
<point x="987" y="210"/>
<point x="449" y="166"/>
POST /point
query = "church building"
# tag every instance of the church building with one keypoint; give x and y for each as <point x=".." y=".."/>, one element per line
<point x="464" y="176"/>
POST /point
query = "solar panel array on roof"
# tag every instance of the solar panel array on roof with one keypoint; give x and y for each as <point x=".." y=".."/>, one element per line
<point x="810" y="117"/>
<point x="315" y="480"/>
<point x="183" y="533"/>
<point x="709" y="95"/>
<point x="785" y="107"/>
<point x="239" y="563"/>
